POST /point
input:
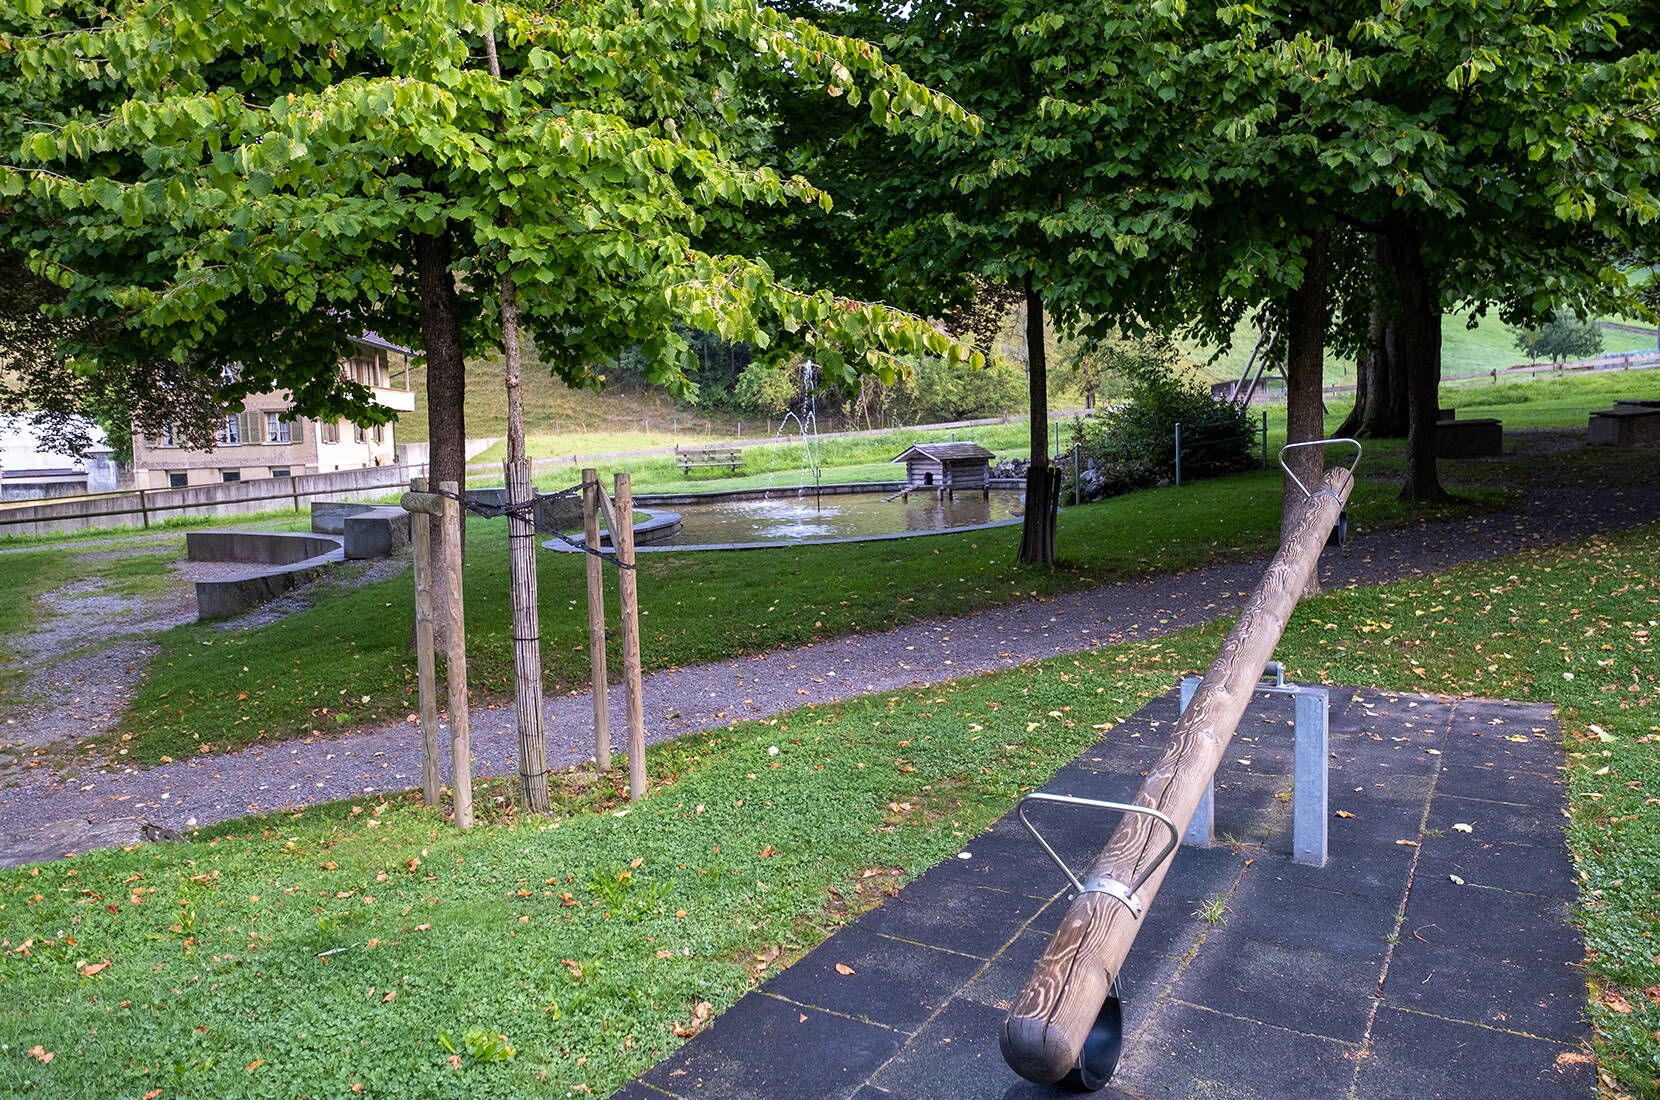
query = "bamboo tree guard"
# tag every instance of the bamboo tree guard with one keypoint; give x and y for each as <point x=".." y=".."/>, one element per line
<point x="527" y="641"/>
<point x="1043" y="1037"/>
<point x="446" y="505"/>
<point x="426" y="677"/>
<point x="591" y="493"/>
<point x="622" y="537"/>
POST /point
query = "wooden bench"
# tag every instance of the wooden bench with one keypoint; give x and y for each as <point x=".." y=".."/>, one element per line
<point x="691" y="458"/>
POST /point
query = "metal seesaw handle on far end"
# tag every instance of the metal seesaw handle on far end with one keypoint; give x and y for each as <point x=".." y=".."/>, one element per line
<point x="1125" y="893"/>
<point x="1355" y="443"/>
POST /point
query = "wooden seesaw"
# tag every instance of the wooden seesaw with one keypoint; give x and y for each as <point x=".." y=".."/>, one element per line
<point x="1067" y="1025"/>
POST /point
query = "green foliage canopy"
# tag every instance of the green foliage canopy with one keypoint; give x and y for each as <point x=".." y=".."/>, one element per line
<point x="241" y="182"/>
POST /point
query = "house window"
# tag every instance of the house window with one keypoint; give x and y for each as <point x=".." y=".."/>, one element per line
<point x="328" y="431"/>
<point x="380" y="433"/>
<point x="358" y="434"/>
<point x="231" y="475"/>
<point x="280" y="471"/>
<point x="229" y="431"/>
<point x="178" y="479"/>
<point x="277" y="430"/>
<point x="168" y="438"/>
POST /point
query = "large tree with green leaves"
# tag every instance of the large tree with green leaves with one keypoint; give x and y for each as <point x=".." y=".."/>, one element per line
<point x="1186" y="165"/>
<point x="259" y="184"/>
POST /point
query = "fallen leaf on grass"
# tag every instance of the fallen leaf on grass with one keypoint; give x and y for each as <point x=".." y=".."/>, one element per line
<point x="92" y="968"/>
<point x="41" y="1054"/>
<point x="255" y="1064"/>
<point x="844" y="969"/>
<point x="152" y="1094"/>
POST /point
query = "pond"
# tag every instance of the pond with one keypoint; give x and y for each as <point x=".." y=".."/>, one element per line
<point x="851" y="516"/>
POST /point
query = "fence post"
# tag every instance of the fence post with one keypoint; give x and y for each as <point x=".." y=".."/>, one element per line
<point x="1264" y="439"/>
<point x="1077" y="490"/>
<point x="143" y="508"/>
<point x="622" y="538"/>
<point x="1178" y="454"/>
<point x="599" y="677"/>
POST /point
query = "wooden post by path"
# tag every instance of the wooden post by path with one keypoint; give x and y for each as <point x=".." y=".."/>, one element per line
<point x="455" y="660"/>
<point x="598" y="674"/>
<point x="426" y="677"/>
<point x="1043" y="1035"/>
<point x="622" y="537"/>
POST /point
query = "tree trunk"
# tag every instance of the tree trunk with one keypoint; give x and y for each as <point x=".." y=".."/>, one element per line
<point x="1380" y="410"/>
<point x="1420" y="343"/>
<point x="1037" y="539"/>
<point x="1305" y="409"/>
<point x="446" y="371"/>
<point x="446" y="386"/>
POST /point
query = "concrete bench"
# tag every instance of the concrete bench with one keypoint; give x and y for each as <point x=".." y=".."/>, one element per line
<point x="379" y="532"/>
<point x="278" y="561"/>
<point x="1469" y="438"/>
<point x="1627" y="424"/>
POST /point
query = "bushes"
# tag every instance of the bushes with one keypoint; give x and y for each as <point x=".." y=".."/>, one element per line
<point x="1133" y="447"/>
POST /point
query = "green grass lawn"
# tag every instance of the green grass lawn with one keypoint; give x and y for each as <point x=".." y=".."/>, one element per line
<point x="344" y="661"/>
<point x="547" y="956"/>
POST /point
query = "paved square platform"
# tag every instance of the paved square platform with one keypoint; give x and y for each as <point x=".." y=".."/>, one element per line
<point x="1431" y="957"/>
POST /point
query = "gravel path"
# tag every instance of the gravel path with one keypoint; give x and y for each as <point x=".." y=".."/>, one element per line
<point x="678" y="701"/>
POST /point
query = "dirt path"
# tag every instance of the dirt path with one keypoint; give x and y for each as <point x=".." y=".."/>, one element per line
<point x="678" y="701"/>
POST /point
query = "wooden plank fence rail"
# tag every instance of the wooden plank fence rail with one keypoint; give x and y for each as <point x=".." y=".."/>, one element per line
<point x="1044" y="1034"/>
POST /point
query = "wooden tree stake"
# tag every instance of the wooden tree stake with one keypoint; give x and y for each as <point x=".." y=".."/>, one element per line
<point x="592" y="492"/>
<point x="455" y="661"/>
<point x="622" y="537"/>
<point x="426" y="677"/>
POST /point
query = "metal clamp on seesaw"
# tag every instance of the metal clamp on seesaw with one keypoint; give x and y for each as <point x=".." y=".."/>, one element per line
<point x="1102" y="884"/>
<point x="1318" y="443"/>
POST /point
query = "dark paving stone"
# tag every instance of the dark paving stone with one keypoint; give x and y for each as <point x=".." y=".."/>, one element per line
<point x="1497" y="822"/>
<point x="893" y="983"/>
<point x="1415" y="1057"/>
<point x="1194" y="1054"/>
<point x="1077" y="781"/>
<point x="1502" y="785"/>
<point x="1145" y="978"/>
<point x="1520" y="868"/>
<point x="761" y="1049"/>
<point x="1308" y="990"/>
<point x="1005" y="857"/>
<point x="1320" y="920"/>
<point x="1544" y="999"/>
<point x="1365" y="865"/>
<point x="1168" y="927"/>
<point x="870" y="1092"/>
<point x="1494" y="924"/>
<point x="1541" y="752"/>
<point x="971" y="920"/>
<point x="636" y="1091"/>
<point x="956" y="1057"/>
<point x="1247" y="807"/>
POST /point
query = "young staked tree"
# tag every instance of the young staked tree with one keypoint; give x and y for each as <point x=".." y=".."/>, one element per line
<point x="259" y="186"/>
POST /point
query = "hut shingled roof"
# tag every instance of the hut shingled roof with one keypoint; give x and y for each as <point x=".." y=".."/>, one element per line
<point x="946" y="452"/>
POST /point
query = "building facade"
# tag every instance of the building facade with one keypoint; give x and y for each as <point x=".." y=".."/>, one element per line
<point x="265" y="438"/>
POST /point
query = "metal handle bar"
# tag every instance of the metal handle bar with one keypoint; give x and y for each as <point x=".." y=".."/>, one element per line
<point x="1102" y="884"/>
<point x="1317" y="443"/>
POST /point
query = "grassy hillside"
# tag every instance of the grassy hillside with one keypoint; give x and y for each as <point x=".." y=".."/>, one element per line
<point x="581" y="420"/>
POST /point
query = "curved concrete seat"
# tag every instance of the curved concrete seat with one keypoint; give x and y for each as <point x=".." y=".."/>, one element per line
<point x="281" y="560"/>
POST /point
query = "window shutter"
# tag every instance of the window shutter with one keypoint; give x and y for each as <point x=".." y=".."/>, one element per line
<point x="296" y="430"/>
<point x="253" y="427"/>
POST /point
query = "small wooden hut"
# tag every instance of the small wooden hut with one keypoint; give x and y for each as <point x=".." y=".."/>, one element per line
<point x="945" y="468"/>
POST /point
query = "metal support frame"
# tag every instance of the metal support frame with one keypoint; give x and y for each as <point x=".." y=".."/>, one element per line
<point x="1309" y="793"/>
